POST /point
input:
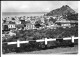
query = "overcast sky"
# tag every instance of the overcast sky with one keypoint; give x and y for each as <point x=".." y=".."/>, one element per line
<point x="35" y="6"/>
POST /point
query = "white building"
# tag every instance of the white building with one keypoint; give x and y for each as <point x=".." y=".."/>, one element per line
<point x="11" y="25"/>
<point x="17" y="22"/>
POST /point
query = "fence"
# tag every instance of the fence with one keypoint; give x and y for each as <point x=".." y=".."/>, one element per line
<point x="43" y="40"/>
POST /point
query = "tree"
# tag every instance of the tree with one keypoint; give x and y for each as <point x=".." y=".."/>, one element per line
<point x="37" y="24"/>
<point x="19" y="26"/>
<point x="53" y="20"/>
<point x="72" y="16"/>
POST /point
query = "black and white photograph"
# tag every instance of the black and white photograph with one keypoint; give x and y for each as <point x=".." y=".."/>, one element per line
<point x="39" y="27"/>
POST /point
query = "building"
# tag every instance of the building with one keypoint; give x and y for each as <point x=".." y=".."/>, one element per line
<point x="11" y="25"/>
<point x="22" y="21"/>
<point x="42" y="20"/>
<point x="17" y="22"/>
<point x="64" y="24"/>
<point x="33" y="21"/>
<point x="29" y="26"/>
<point x="8" y="19"/>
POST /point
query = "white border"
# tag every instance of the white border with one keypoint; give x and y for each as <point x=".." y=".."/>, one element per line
<point x="78" y="27"/>
<point x="1" y="30"/>
<point x="39" y="55"/>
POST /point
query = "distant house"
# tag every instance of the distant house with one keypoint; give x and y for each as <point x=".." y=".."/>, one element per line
<point x="64" y="24"/>
<point x="8" y="19"/>
<point x="42" y="20"/>
<point x="17" y="22"/>
<point x="33" y="21"/>
<point x="22" y="21"/>
<point x="68" y="24"/>
<point x="16" y="19"/>
<point x="11" y="25"/>
<point x="29" y="25"/>
<point x="54" y="26"/>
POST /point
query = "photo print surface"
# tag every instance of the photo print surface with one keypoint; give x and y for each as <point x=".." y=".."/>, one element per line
<point x="39" y="27"/>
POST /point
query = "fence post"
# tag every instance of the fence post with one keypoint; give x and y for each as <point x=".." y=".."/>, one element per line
<point x="72" y="39"/>
<point x="45" y="41"/>
<point x="18" y="43"/>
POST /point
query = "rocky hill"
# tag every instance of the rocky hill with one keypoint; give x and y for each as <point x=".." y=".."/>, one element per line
<point x="65" y="9"/>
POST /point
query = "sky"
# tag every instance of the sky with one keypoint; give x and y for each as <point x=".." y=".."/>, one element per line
<point x="35" y="6"/>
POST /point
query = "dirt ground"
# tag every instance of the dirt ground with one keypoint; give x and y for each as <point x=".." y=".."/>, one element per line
<point x="58" y="50"/>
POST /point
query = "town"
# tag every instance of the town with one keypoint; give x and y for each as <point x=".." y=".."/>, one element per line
<point x="33" y="28"/>
<point x="12" y="24"/>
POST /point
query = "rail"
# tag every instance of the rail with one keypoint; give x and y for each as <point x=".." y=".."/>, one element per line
<point x="18" y="42"/>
